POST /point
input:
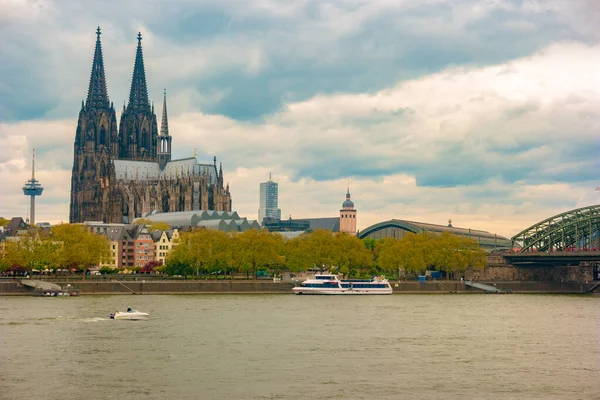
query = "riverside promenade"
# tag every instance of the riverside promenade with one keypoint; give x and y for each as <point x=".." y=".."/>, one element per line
<point x="143" y="287"/>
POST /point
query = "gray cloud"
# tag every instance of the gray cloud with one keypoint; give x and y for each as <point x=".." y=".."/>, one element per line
<point x="255" y="57"/>
<point x="401" y="98"/>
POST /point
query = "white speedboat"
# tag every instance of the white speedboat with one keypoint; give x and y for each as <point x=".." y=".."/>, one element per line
<point x="331" y="284"/>
<point x="129" y="314"/>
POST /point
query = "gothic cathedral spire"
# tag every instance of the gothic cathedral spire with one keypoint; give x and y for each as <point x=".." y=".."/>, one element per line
<point x="97" y="95"/>
<point x="96" y="142"/>
<point x="164" y="123"/>
<point x="164" y="140"/>
<point x="138" y="131"/>
<point x="138" y="95"/>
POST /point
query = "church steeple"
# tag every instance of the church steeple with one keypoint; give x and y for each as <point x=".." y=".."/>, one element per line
<point x="220" y="174"/>
<point x="138" y="131"/>
<point x="97" y="94"/>
<point x="348" y="215"/>
<point x="164" y="123"/>
<point x="164" y="139"/>
<point x="138" y="95"/>
<point x="96" y="142"/>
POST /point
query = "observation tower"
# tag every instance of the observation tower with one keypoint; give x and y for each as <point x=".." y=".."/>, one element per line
<point x="32" y="188"/>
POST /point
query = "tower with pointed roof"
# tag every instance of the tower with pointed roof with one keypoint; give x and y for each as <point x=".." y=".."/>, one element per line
<point x="348" y="216"/>
<point x="138" y="131"/>
<point x="96" y="143"/>
<point x="164" y="139"/>
<point x="120" y="174"/>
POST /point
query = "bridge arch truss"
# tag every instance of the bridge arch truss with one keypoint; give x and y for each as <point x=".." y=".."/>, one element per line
<point x="574" y="230"/>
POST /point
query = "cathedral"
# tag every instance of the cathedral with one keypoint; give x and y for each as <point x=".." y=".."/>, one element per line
<point x="121" y="172"/>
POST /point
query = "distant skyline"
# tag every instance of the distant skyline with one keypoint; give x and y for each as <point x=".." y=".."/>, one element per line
<point x="483" y="112"/>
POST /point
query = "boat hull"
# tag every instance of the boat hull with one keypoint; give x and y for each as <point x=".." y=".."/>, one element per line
<point x="130" y="316"/>
<point x="313" y="291"/>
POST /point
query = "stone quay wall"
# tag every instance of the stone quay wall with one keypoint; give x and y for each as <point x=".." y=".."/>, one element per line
<point x="11" y="287"/>
<point x="498" y="270"/>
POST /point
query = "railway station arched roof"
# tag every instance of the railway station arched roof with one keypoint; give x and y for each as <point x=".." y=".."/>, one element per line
<point x="397" y="228"/>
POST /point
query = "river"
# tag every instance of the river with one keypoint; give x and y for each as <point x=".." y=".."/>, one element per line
<point x="301" y="347"/>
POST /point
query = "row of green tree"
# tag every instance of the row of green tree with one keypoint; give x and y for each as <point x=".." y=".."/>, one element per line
<point x="66" y="246"/>
<point x="208" y="252"/>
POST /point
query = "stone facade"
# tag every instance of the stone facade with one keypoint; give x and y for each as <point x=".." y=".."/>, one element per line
<point x="499" y="270"/>
<point x="121" y="172"/>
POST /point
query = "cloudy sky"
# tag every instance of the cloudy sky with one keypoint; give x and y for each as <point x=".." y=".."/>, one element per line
<point x="485" y="112"/>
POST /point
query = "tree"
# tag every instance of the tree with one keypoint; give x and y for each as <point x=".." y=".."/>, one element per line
<point x="260" y="248"/>
<point x="203" y="250"/>
<point x="159" y="226"/>
<point x="3" y="221"/>
<point x="150" y="266"/>
<point x="78" y="248"/>
<point x="353" y="254"/>
<point x="30" y="251"/>
<point x="412" y="253"/>
<point x="314" y="250"/>
<point x="454" y="254"/>
<point x="152" y="226"/>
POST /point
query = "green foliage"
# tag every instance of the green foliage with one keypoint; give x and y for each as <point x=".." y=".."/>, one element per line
<point x="352" y="254"/>
<point x="260" y="249"/>
<point x="152" y="226"/>
<point x="176" y="267"/>
<point x="67" y="246"/>
<point x="370" y="243"/>
<point x="417" y="253"/>
<point x="31" y="252"/>
<point x="79" y="248"/>
<point x="106" y="270"/>
<point x="205" y="251"/>
<point x="4" y="221"/>
<point x="325" y="250"/>
<point x="314" y="250"/>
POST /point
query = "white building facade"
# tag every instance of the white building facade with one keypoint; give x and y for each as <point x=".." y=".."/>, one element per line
<point x="269" y="201"/>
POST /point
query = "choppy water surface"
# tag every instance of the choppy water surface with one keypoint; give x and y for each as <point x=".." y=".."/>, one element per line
<point x="301" y="347"/>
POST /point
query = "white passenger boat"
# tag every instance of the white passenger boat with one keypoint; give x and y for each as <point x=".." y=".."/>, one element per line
<point x="331" y="284"/>
<point x="129" y="314"/>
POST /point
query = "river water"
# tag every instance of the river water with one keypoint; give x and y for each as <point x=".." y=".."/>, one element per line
<point x="301" y="347"/>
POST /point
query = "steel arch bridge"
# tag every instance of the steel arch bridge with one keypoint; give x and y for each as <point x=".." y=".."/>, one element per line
<point x="575" y="230"/>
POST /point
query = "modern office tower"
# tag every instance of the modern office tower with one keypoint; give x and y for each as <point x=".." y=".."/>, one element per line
<point x="32" y="188"/>
<point x="348" y="216"/>
<point x="269" y="195"/>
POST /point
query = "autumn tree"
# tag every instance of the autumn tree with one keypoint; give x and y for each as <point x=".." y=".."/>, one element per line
<point x="454" y="254"/>
<point x="352" y="254"/>
<point x="412" y="253"/>
<point x="152" y="226"/>
<point x="30" y="251"/>
<point x="79" y="248"/>
<point x="260" y="248"/>
<point x="203" y="249"/>
<point x="314" y="250"/>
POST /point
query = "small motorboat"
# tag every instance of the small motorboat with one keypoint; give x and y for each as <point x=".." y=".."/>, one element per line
<point x="129" y="314"/>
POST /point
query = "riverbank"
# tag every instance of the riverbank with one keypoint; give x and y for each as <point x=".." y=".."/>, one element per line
<point x="15" y="288"/>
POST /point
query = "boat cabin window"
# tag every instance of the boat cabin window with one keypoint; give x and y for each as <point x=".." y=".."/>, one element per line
<point x="324" y="277"/>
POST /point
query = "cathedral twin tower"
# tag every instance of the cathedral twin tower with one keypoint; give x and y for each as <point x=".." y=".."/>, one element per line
<point x="121" y="173"/>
